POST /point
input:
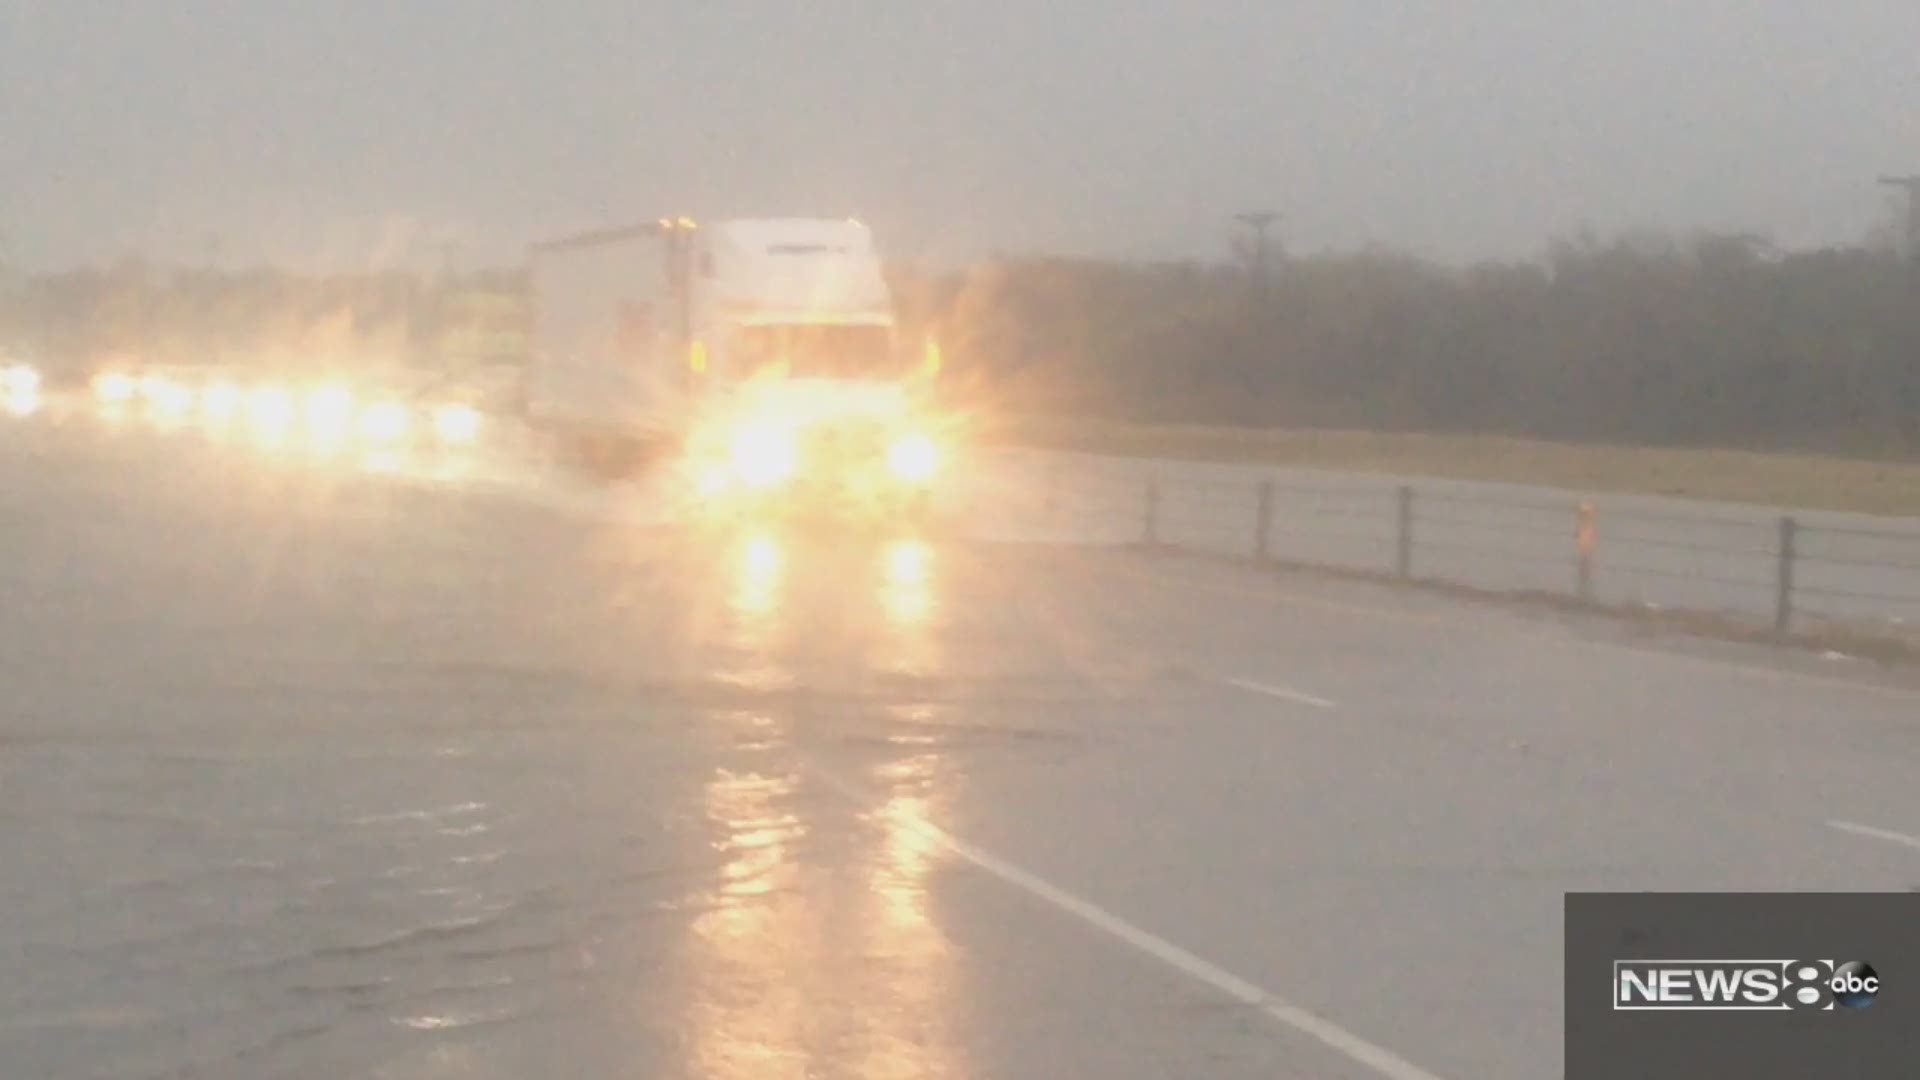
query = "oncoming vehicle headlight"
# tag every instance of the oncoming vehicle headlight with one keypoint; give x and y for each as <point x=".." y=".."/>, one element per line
<point x="913" y="457"/>
<point x="20" y="380"/>
<point x="18" y="404"/>
<point x="170" y="400"/>
<point x="20" y="390"/>
<point x="456" y="423"/>
<point x="220" y="401"/>
<point x="270" y="410"/>
<point x="114" y="387"/>
<point x="329" y="413"/>
<point x="384" y="421"/>
<point x="763" y="455"/>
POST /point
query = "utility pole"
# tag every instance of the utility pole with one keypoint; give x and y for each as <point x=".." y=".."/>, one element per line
<point x="1911" y="185"/>
<point x="1259" y="222"/>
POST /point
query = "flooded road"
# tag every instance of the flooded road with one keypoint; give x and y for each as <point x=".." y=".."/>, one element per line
<point x="307" y="773"/>
<point x="322" y="772"/>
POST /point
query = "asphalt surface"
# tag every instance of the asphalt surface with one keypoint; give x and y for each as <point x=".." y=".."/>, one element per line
<point x="463" y="768"/>
<point x="1855" y="570"/>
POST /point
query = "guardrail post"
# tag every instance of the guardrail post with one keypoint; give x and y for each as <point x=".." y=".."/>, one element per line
<point x="1783" y="599"/>
<point x="1583" y="541"/>
<point x="1263" y="524"/>
<point x="1150" y="523"/>
<point x="1403" y="554"/>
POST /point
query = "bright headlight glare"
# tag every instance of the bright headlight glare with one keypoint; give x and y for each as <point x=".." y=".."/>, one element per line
<point x="220" y="400"/>
<point x="384" y="421"/>
<point x="762" y="455"/>
<point x="170" y="398"/>
<point x="20" y="402"/>
<point x="113" y="386"/>
<point x="456" y="423"/>
<point x="270" y="410"/>
<point x="329" y="412"/>
<point x="913" y="457"/>
<point x="20" y="380"/>
<point x="711" y="480"/>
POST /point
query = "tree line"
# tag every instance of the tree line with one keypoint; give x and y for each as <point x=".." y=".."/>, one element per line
<point x="1713" y="340"/>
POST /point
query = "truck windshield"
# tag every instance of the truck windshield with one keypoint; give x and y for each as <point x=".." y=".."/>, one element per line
<point x="815" y="351"/>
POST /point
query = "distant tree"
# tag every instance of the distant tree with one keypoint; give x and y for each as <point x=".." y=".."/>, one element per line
<point x="1712" y="339"/>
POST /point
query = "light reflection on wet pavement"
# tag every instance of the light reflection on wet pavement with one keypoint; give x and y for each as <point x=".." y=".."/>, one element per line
<point x="311" y="775"/>
<point x="404" y="768"/>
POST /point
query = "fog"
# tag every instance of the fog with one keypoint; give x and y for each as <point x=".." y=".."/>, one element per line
<point x="365" y="133"/>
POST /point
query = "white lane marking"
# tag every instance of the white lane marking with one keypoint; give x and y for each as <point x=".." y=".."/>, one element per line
<point x="1378" y="1058"/>
<point x="1284" y="693"/>
<point x="1878" y="834"/>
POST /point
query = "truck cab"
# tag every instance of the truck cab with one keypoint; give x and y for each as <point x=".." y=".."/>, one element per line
<point x="808" y="385"/>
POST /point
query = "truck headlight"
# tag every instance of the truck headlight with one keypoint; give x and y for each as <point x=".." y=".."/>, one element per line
<point x="913" y="457"/>
<point x="763" y="456"/>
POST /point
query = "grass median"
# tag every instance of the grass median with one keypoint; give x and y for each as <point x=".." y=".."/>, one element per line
<point x="1788" y="480"/>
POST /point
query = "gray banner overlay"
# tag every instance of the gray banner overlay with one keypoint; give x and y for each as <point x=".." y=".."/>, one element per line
<point x="1741" y="984"/>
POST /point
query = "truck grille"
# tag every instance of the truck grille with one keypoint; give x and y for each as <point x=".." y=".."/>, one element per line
<point x="843" y="442"/>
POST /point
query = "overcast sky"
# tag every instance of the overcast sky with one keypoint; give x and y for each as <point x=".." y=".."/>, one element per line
<point x="355" y="131"/>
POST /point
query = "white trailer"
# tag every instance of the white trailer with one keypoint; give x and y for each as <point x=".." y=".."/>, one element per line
<point x="610" y="327"/>
<point x="764" y="348"/>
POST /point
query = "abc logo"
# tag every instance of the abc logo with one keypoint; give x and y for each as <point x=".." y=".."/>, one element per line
<point x="1815" y="984"/>
<point x="1855" y="984"/>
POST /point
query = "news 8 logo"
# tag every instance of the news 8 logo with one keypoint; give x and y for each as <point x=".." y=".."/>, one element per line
<point x="1749" y="985"/>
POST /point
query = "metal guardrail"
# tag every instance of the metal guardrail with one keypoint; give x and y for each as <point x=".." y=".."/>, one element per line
<point x="1777" y="568"/>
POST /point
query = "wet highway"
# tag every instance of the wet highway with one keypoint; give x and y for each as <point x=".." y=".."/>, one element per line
<point x="471" y="770"/>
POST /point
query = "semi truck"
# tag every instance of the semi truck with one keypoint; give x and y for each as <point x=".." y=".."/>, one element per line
<point x="761" y="354"/>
